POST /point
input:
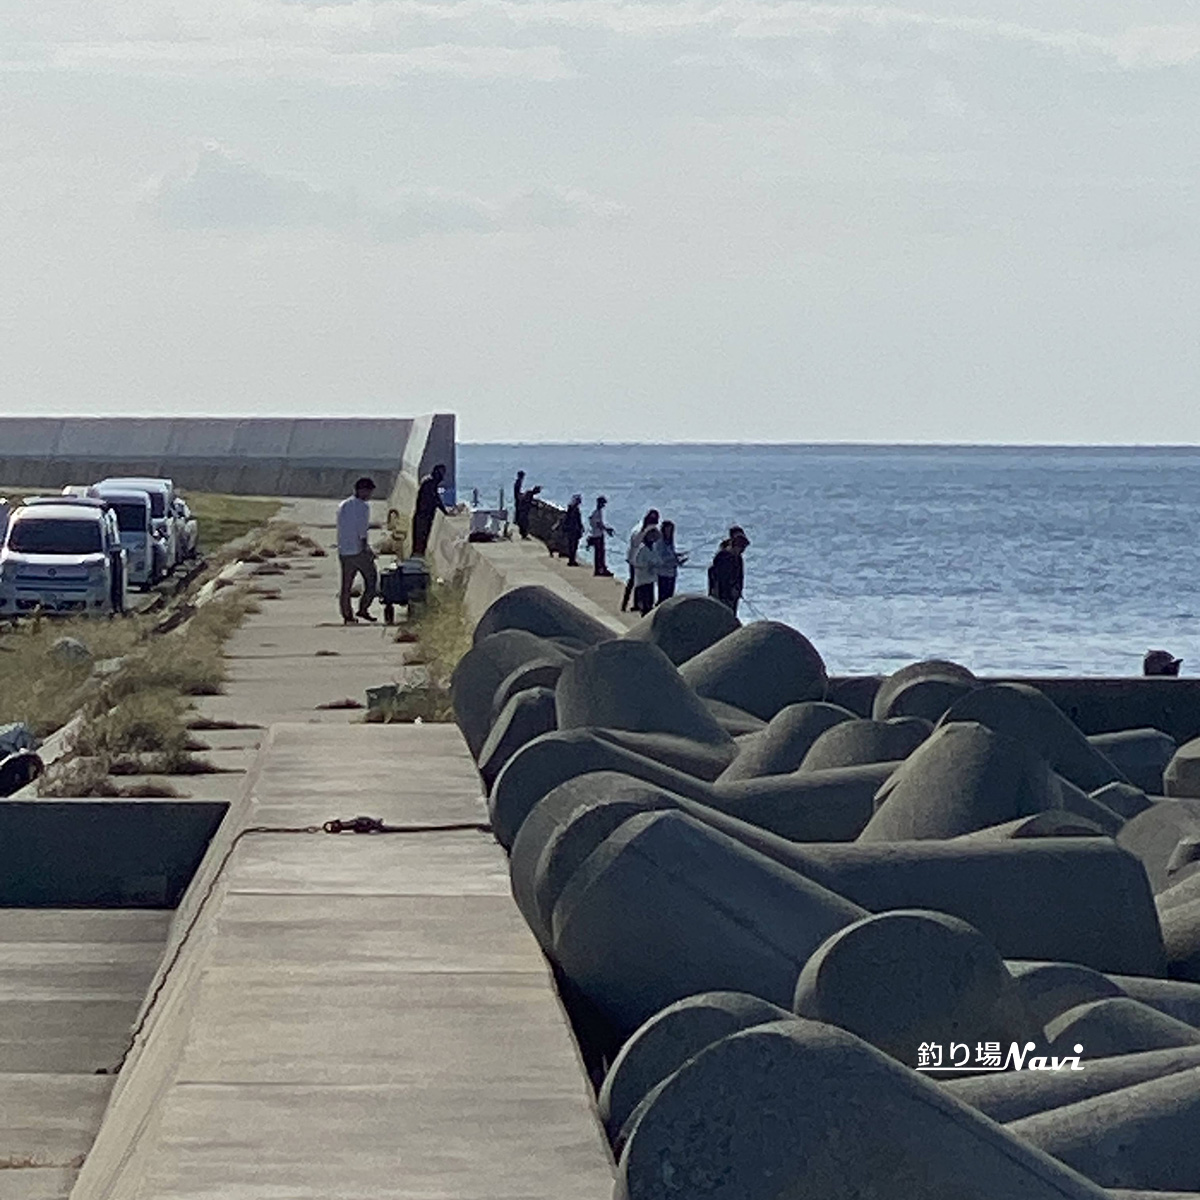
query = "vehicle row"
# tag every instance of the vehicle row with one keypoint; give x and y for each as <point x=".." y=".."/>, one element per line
<point x="81" y="551"/>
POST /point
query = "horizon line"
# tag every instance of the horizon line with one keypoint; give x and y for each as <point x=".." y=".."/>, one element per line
<point x="858" y="445"/>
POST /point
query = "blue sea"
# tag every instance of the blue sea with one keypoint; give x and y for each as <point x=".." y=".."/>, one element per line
<point x="1039" y="560"/>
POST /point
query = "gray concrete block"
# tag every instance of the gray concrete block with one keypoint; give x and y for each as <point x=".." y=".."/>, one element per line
<point x="542" y="673"/>
<point x="1141" y="755"/>
<point x="700" y="759"/>
<point x="632" y="685"/>
<point x="1143" y="1136"/>
<point x="483" y="668"/>
<point x="806" y="806"/>
<point x="1125" y="799"/>
<point x="735" y="721"/>
<point x="529" y="714"/>
<point x="685" y="625"/>
<point x="1177" y="998"/>
<point x="854" y="743"/>
<point x="1052" y="823"/>
<point x="902" y="978"/>
<point x="934" y="670"/>
<point x="553" y="758"/>
<point x="667" y="907"/>
<point x="781" y="745"/>
<point x="1079" y="803"/>
<point x="1182" y="774"/>
<point x="1027" y="716"/>
<point x="801" y="1109"/>
<point x="1012" y="1095"/>
<point x="1049" y="989"/>
<point x="1117" y="1025"/>
<point x="668" y="1040"/>
<point x="855" y="692"/>
<point x="1181" y="937"/>
<point x="540" y="611"/>
<point x="762" y="667"/>
<point x="1153" y="836"/>
<point x="1078" y="900"/>
<point x="963" y="778"/>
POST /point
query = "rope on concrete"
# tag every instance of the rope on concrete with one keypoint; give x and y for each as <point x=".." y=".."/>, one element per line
<point x="365" y="825"/>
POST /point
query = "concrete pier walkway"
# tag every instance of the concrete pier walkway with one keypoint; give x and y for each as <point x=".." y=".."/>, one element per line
<point x="346" y="1016"/>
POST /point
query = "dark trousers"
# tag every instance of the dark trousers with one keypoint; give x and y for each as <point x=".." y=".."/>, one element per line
<point x="666" y="587"/>
<point x="599" y="567"/>
<point x="572" y="552"/>
<point x="420" y="534"/>
<point x="643" y="598"/>
<point x="362" y="564"/>
<point x="628" y="591"/>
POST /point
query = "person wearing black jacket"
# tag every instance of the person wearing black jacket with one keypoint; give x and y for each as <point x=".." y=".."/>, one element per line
<point x="429" y="502"/>
<point x="572" y="529"/>
<point x="726" y="576"/>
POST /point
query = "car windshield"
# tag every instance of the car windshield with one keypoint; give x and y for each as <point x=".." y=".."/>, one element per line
<point x="131" y="518"/>
<point x="158" y="504"/>
<point x="55" y="537"/>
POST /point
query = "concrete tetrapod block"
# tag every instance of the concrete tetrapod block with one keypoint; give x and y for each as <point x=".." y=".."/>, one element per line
<point x="1153" y="836"/>
<point x="927" y="698"/>
<point x="667" y="907"/>
<point x="804" y="1110"/>
<point x="685" y="625"/>
<point x="480" y="672"/>
<point x="853" y="743"/>
<point x="965" y="777"/>
<point x="1141" y="755"/>
<point x="553" y="758"/>
<point x="527" y="715"/>
<point x="1124" y="799"/>
<point x="1182" y="774"/>
<point x="1078" y="900"/>
<point x="735" y="721"/>
<point x="761" y="667"/>
<point x="1177" y="998"/>
<point x="542" y="672"/>
<point x="1078" y="802"/>
<point x="781" y="746"/>
<point x="633" y="685"/>
<point x="1055" y="822"/>
<point x="1181" y="936"/>
<point x="806" y="806"/>
<point x="1140" y="1136"/>
<point x="902" y="978"/>
<point x="1117" y="1025"/>
<point x="1011" y="1095"/>
<point x="668" y="1040"/>
<point x="1048" y="989"/>
<point x="1026" y="715"/>
<point x="700" y="759"/>
<point x="935" y="669"/>
<point x="540" y="611"/>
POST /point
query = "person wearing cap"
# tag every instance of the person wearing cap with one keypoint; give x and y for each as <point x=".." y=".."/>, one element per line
<point x="354" y="551"/>
<point x="429" y="502"/>
<point x="726" y="577"/>
<point x="1161" y="662"/>
<point x="572" y="529"/>
<point x="598" y="531"/>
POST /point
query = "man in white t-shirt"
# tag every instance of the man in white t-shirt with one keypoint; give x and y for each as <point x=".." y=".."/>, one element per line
<point x="354" y="551"/>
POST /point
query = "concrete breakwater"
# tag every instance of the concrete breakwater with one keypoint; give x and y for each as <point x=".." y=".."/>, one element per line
<point x="918" y="937"/>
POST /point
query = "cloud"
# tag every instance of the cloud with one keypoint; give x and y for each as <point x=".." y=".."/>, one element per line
<point x="219" y="190"/>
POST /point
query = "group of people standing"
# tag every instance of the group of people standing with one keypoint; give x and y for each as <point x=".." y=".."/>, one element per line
<point x="653" y="563"/>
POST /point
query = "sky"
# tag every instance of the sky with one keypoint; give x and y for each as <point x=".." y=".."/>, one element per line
<point x="708" y="220"/>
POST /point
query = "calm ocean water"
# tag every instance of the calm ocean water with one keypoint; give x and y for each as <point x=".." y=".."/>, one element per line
<point x="1040" y="560"/>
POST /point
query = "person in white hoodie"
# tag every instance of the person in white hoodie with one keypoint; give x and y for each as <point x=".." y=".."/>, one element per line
<point x="645" y="570"/>
<point x="635" y="540"/>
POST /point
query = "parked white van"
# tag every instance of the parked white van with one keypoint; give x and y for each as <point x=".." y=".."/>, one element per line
<point x="162" y="510"/>
<point x="62" y="555"/>
<point x="145" y="555"/>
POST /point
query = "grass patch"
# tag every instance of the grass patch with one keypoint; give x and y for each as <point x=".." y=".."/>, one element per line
<point x="442" y="634"/>
<point x="222" y="518"/>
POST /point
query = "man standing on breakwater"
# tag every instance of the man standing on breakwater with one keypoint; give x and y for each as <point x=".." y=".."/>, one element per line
<point x="354" y="550"/>
<point x="597" y="530"/>
<point x="572" y="529"/>
<point x="429" y="502"/>
<point x="726" y="577"/>
<point x="518" y="488"/>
